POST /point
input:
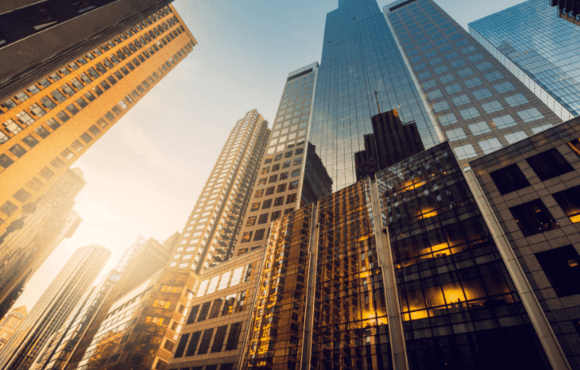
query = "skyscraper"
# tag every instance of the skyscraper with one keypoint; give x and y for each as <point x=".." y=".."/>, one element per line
<point x="543" y="57"/>
<point x="214" y="224"/>
<point x="45" y="128"/>
<point x="360" y="56"/>
<point x="290" y="173"/>
<point x="39" y="37"/>
<point x="54" y="306"/>
<point x="479" y="104"/>
<point x="30" y="240"/>
<point x="86" y="339"/>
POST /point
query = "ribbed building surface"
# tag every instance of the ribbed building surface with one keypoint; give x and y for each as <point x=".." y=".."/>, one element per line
<point x="214" y="224"/>
<point x="54" y="306"/>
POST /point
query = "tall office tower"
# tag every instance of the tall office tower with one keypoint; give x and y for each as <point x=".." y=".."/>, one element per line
<point x="291" y="173"/>
<point x="214" y="224"/>
<point x="54" y="306"/>
<point x="10" y="323"/>
<point x="568" y="10"/>
<point x="39" y="37"/>
<point x="391" y="142"/>
<point x="542" y="227"/>
<point x="479" y="104"/>
<point x="139" y="262"/>
<point x="29" y="240"/>
<point x="543" y="57"/>
<point x="45" y="128"/>
<point x="360" y="56"/>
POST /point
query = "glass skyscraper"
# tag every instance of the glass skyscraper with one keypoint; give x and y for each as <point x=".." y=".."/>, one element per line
<point x="478" y="103"/>
<point x="360" y="56"/>
<point x="543" y="56"/>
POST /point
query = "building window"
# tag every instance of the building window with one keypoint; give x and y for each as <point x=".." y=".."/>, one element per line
<point x="515" y="137"/>
<point x="278" y="201"/>
<point x="259" y="235"/>
<point x="461" y="100"/>
<point x="456" y="134"/>
<point x="255" y="206"/>
<point x="549" y="164"/>
<point x="469" y="113"/>
<point x="273" y="178"/>
<point x="263" y="219"/>
<point x="472" y="82"/>
<point x="479" y="128"/>
<point x="509" y="178"/>
<point x="490" y="145"/>
<point x="569" y="201"/>
<point x="218" y="341"/>
<point x="17" y="150"/>
<point x="193" y="343"/>
<point x="205" y="341"/>
<point x="270" y="190"/>
<point x="5" y="161"/>
<point x="203" y="312"/>
<point x="562" y="267"/>
<point x="503" y="121"/>
<point x="291" y="198"/>
<point x="530" y="115"/>
<point x="247" y="237"/>
<point x="465" y="152"/>
<point x="234" y="336"/>
<point x="8" y="208"/>
<point x="492" y="107"/>
<point x="181" y="346"/>
<point x="259" y="193"/>
<point x="447" y="119"/>
<point x="251" y="221"/>
<point x="267" y="204"/>
<point x="533" y="218"/>
<point x="516" y="100"/>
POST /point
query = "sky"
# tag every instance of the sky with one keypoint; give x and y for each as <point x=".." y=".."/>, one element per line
<point x="144" y="176"/>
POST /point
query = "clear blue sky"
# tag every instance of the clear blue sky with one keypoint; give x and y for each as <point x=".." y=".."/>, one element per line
<point x="144" y="176"/>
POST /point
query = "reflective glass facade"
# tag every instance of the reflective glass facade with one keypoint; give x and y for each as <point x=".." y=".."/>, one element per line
<point x="360" y="56"/>
<point x="479" y="104"/>
<point x="460" y="308"/>
<point x="545" y="56"/>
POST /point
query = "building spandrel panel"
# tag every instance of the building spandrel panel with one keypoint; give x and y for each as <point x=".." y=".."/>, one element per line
<point x="360" y="56"/>
<point x="459" y="305"/>
<point x="544" y="57"/>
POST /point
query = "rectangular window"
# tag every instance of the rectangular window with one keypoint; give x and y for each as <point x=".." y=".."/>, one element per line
<point x="530" y="115"/>
<point x="509" y="179"/>
<point x="491" y="107"/>
<point x="456" y="134"/>
<point x="192" y="314"/>
<point x="549" y="164"/>
<point x="263" y="218"/>
<point x="562" y="267"/>
<point x="267" y="204"/>
<point x="234" y="336"/>
<point x="465" y="72"/>
<point x="440" y="106"/>
<point x="205" y="341"/>
<point x="569" y="201"/>
<point x="490" y="145"/>
<point x="203" y="312"/>
<point x="493" y="76"/>
<point x="465" y="152"/>
<point x="218" y="341"/>
<point x="482" y="94"/>
<point x="473" y="82"/>
<point x="504" y="121"/>
<point x="469" y="113"/>
<point x="181" y="346"/>
<point x="259" y="235"/>
<point x="461" y="100"/>
<point x="515" y="100"/>
<point x="504" y="87"/>
<point x="251" y="221"/>
<point x="533" y="218"/>
<point x="514" y="137"/>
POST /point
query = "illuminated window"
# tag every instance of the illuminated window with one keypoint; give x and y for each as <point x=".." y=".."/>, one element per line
<point x="549" y="164"/>
<point x="533" y="218"/>
<point x="562" y="267"/>
<point x="569" y="201"/>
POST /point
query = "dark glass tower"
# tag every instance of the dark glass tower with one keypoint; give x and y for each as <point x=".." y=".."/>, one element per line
<point x="360" y="56"/>
<point x="391" y="142"/>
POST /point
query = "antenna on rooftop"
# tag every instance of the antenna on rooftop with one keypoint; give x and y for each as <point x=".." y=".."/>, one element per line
<point x="377" y="98"/>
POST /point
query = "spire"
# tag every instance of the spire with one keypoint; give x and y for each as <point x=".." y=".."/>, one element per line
<point x="377" y="98"/>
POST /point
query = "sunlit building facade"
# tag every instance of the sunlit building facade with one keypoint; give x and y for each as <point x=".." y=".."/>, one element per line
<point x="54" y="306"/>
<point x="543" y="57"/>
<point x="10" y="323"/>
<point x="29" y="241"/>
<point x="39" y="37"/>
<point x="290" y="173"/>
<point x="46" y="127"/>
<point x="213" y="227"/>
